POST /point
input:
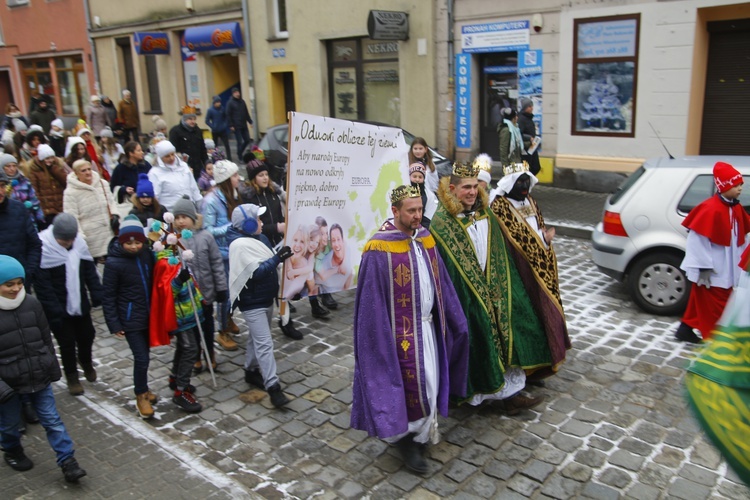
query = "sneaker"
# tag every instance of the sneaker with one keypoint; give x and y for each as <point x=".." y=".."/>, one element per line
<point x="143" y="406"/>
<point x="71" y="470"/>
<point x="173" y="386"/>
<point x="328" y="301"/>
<point x="686" y="333"/>
<point x="514" y="405"/>
<point x="29" y="413"/>
<point x="290" y="331"/>
<point x="17" y="459"/>
<point x="278" y="398"/>
<point x="253" y="377"/>
<point x="226" y="342"/>
<point x="186" y="401"/>
<point x="89" y="372"/>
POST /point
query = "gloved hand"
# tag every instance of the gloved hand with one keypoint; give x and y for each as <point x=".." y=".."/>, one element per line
<point x="222" y="296"/>
<point x="114" y="223"/>
<point x="704" y="278"/>
<point x="183" y="277"/>
<point x="284" y="253"/>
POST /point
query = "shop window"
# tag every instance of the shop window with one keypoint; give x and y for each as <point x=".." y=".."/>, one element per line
<point x="153" y="85"/>
<point x="37" y="76"/>
<point x="72" y="84"/>
<point x="605" y="75"/>
<point x="279" y="15"/>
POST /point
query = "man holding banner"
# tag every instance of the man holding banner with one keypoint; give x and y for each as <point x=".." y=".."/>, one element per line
<point x="410" y="334"/>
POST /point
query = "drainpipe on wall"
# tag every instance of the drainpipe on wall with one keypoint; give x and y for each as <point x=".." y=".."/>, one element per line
<point x="95" y="61"/>
<point x="250" y="77"/>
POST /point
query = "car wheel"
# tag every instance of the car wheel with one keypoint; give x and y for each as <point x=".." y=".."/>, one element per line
<point x="658" y="285"/>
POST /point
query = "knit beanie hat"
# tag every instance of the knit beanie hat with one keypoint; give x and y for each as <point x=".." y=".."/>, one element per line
<point x="258" y="153"/>
<point x="72" y="141"/>
<point x="254" y="167"/>
<point x="144" y="187"/>
<point x="159" y="122"/>
<point x="43" y="151"/>
<point x="209" y="143"/>
<point x="106" y="132"/>
<point x="184" y="206"/>
<point x="64" y="227"/>
<point x="244" y="212"/>
<point x="726" y="177"/>
<point x="36" y="127"/>
<point x="19" y="125"/>
<point x="163" y="148"/>
<point x="223" y="170"/>
<point x="57" y="123"/>
<point x="10" y="269"/>
<point x="131" y="229"/>
<point x="5" y="159"/>
<point x="82" y="131"/>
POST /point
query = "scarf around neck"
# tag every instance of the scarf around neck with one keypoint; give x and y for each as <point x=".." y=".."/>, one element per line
<point x="54" y="255"/>
<point x="516" y="138"/>
<point x="10" y="304"/>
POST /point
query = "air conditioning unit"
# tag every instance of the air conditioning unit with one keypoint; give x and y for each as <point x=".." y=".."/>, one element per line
<point x="16" y="3"/>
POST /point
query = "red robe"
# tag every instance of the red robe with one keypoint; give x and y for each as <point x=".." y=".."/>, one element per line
<point x="163" y="317"/>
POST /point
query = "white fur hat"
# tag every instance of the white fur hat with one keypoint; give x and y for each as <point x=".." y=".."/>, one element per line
<point x="163" y="148"/>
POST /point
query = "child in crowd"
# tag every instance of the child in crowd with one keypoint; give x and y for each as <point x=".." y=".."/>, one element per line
<point x="57" y="137"/>
<point x="207" y="267"/>
<point x="66" y="272"/>
<point x="420" y="152"/>
<point x="21" y="188"/>
<point x="145" y="204"/>
<point x="254" y="284"/>
<point x="206" y="181"/>
<point x="299" y="270"/>
<point x="29" y="367"/>
<point x="128" y="274"/>
<point x="111" y="150"/>
<point x="417" y="172"/>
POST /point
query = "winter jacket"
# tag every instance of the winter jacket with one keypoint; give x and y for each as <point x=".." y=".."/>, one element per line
<point x="27" y="357"/>
<point x="127" y="289"/>
<point x="97" y="118"/>
<point x="208" y="264"/>
<point x="23" y="191"/>
<point x="126" y="175"/>
<point x="190" y="142"/>
<point x="272" y="198"/>
<point x="528" y="132"/>
<point x="19" y="237"/>
<point x="263" y="287"/>
<point x="237" y="114"/>
<point x="148" y="213"/>
<point x="216" y="220"/>
<point x="173" y="181"/>
<point x="53" y="294"/>
<point x="43" y="118"/>
<point x="111" y="112"/>
<point x="58" y="145"/>
<point x="128" y="112"/>
<point x="49" y="184"/>
<point x="506" y="158"/>
<point x="205" y="183"/>
<point x="216" y="119"/>
<point x="91" y="204"/>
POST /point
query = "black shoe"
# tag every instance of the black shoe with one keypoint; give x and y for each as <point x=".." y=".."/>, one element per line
<point x="413" y="454"/>
<point x="173" y="385"/>
<point x="89" y="372"/>
<point x="328" y="301"/>
<point x="253" y="377"/>
<point x="22" y="427"/>
<point x="318" y="311"/>
<point x="17" y="459"/>
<point x="186" y="401"/>
<point x="29" y="413"/>
<point x="685" y="333"/>
<point x="278" y="398"/>
<point x="292" y="309"/>
<point x="71" y="470"/>
<point x="290" y="331"/>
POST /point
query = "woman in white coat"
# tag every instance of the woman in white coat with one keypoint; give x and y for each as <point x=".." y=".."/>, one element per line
<point x="172" y="177"/>
<point x="87" y="198"/>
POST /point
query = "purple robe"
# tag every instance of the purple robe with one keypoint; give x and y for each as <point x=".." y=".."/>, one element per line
<point x="389" y="389"/>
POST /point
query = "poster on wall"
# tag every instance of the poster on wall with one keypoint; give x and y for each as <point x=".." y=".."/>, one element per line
<point x="190" y="68"/>
<point x="530" y="82"/>
<point x="339" y="179"/>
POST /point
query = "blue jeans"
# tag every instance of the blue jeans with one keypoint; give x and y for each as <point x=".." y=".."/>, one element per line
<point x="44" y="404"/>
<point x="138" y="342"/>
<point x="242" y="136"/>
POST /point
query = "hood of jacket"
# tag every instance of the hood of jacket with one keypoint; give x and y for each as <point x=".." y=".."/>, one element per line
<point x="451" y="202"/>
<point x="75" y="183"/>
<point x="176" y="167"/>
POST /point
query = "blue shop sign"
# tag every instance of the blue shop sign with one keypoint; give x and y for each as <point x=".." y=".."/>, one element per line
<point x="214" y="37"/>
<point x="151" y="43"/>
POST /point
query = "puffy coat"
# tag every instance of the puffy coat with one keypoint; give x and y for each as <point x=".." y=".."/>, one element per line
<point x="127" y="289"/>
<point x="208" y="265"/>
<point x="23" y="191"/>
<point x="19" y="237"/>
<point x="216" y="119"/>
<point x="272" y="198"/>
<point x="91" y="204"/>
<point x="173" y="181"/>
<point x="190" y="142"/>
<point x="27" y="357"/>
<point x="237" y="114"/>
<point x="263" y="287"/>
<point x="52" y="293"/>
<point x="49" y="184"/>
<point x="216" y="220"/>
<point x="126" y="175"/>
<point x="97" y="118"/>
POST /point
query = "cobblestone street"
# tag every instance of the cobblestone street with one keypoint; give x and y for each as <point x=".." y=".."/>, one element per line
<point x="615" y="423"/>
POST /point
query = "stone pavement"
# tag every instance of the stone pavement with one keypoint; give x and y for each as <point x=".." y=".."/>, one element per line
<point x="615" y="423"/>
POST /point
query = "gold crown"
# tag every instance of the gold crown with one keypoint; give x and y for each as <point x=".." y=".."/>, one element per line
<point x="464" y="171"/>
<point x="515" y="168"/>
<point x="403" y="192"/>
<point x="483" y="162"/>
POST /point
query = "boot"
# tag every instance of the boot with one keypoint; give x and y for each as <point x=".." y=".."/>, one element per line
<point x="278" y="398"/>
<point x="253" y="377"/>
<point x="226" y="342"/>
<point x="232" y="327"/>
<point x="152" y="398"/>
<point x="143" y="405"/>
<point x="213" y="361"/>
<point x="74" y="386"/>
<point x="412" y="453"/>
<point x="71" y="470"/>
<point x="685" y="333"/>
<point x="318" y="311"/>
<point x="197" y="367"/>
<point x="17" y="459"/>
<point x="290" y="331"/>
<point x="29" y="413"/>
<point x="89" y="372"/>
<point x="514" y="405"/>
<point x="186" y="401"/>
<point x="328" y="301"/>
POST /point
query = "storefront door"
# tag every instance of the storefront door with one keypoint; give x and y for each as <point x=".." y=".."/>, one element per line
<point x="498" y="90"/>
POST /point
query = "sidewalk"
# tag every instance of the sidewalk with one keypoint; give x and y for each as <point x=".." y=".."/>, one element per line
<point x="572" y="213"/>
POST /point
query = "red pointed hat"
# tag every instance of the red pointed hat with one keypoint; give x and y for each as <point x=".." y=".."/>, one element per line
<point x="726" y="176"/>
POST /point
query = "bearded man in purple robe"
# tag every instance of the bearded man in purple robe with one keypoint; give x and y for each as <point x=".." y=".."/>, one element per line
<point x="410" y="335"/>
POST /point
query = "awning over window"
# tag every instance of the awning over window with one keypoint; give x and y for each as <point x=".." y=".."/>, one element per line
<point x="214" y="37"/>
<point x="148" y="44"/>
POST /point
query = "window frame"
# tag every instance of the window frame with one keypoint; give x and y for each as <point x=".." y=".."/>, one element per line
<point x="279" y="8"/>
<point x="602" y="60"/>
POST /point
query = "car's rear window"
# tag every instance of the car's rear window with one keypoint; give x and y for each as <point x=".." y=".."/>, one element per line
<point x="626" y="185"/>
<point x="703" y="188"/>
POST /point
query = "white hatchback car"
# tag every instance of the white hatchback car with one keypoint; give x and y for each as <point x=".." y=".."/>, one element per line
<point x="641" y="239"/>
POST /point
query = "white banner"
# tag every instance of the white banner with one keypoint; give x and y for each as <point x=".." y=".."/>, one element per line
<point x="338" y="183"/>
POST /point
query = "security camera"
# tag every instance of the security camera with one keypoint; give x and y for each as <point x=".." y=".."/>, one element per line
<point x="537" y="22"/>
